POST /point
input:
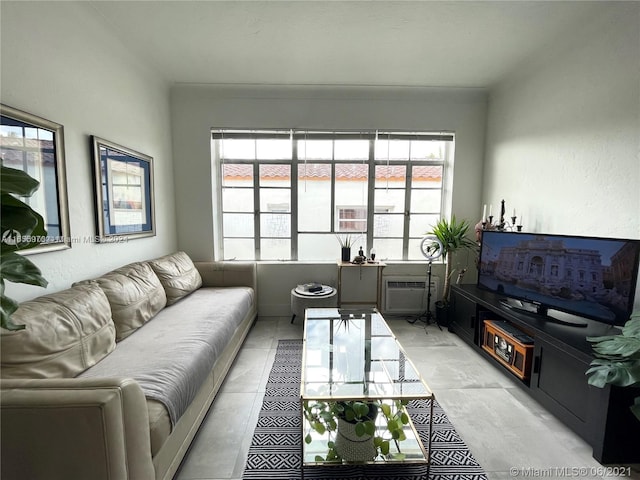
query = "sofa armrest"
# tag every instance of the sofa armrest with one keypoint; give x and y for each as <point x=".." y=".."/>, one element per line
<point x="228" y="274"/>
<point x="75" y="428"/>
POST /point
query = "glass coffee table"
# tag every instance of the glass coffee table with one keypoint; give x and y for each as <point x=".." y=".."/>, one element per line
<point x="353" y="366"/>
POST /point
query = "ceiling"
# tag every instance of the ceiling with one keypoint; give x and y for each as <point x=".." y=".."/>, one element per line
<point x="380" y="43"/>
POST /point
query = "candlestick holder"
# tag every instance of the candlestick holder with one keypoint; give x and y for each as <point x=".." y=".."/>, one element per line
<point x="503" y="224"/>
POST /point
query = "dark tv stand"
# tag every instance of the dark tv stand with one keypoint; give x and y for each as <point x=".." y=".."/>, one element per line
<point x="541" y="311"/>
<point x="556" y="379"/>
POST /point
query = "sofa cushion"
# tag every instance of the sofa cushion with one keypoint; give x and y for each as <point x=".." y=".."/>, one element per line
<point x="66" y="333"/>
<point x="177" y="274"/>
<point x="135" y="295"/>
<point x="171" y="357"/>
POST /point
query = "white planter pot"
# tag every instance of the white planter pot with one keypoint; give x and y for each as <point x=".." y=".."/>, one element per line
<point x="350" y="446"/>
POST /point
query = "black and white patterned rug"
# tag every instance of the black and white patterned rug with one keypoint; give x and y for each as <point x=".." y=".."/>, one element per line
<point x="275" y="448"/>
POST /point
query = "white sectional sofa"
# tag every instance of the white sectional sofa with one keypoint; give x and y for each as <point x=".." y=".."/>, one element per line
<point x="112" y="377"/>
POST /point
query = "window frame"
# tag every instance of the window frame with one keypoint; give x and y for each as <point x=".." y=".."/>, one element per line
<point x="295" y="162"/>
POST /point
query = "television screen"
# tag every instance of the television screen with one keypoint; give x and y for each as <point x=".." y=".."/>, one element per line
<point x="586" y="276"/>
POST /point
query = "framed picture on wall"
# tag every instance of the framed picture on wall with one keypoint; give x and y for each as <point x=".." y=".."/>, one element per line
<point x="123" y="191"/>
<point x="36" y="146"/>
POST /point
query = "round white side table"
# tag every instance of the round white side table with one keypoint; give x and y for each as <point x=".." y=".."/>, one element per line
<point x="301" y="301"/>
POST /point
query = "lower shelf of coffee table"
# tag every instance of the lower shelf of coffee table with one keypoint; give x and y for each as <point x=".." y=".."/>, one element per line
<point x="321" y="450"/>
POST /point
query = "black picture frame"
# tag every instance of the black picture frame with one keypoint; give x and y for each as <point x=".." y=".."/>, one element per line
<point x="35" y="145"/>
<point x="124" y="193"/>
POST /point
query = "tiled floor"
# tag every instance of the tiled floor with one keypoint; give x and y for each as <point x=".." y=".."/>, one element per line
<point x="504" y="428"/>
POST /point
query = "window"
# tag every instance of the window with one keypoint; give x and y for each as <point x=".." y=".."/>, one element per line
<point x="352" y="219"/>
<point x="128" y="191"/>
<point x="286" y="194"/>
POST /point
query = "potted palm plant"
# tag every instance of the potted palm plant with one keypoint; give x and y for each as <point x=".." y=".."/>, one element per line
<point x="453" y="237"/>
<point x="22" y="228"/>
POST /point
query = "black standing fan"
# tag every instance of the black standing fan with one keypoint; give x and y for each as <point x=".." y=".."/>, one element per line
<point x="431" y="247"/>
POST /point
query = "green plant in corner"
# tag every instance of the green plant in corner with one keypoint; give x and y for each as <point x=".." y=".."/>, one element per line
<point x="617" y="359"/>
<point x="21" y="228"/>
<point x="453" y="236"/>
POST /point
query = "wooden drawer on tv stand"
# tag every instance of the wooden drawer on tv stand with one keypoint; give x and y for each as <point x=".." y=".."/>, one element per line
<point x="507" y="350"/>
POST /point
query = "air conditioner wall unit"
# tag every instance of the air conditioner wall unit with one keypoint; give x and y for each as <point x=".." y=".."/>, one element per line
<point x="408" y="294"/>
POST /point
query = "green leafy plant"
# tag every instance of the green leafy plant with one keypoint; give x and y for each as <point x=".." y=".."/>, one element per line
<point x="617" y="359"/>
<point x="323" y="417"/>
<point x="21" y="228"/>
<point x="453" y="236"/>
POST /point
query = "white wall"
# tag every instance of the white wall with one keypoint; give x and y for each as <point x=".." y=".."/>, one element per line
<point x="563" y="137"/>
<point x="563" y="133"/>
<point x="59" y="62"/>
<point x="196" y="109"/>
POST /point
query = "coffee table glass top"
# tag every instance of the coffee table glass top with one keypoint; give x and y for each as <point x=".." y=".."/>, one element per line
<point x="353" y="355"/>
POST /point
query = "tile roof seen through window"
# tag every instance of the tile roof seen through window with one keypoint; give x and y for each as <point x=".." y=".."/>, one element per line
<point x="347" y="171"/>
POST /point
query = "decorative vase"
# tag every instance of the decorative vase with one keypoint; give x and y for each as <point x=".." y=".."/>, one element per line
<point x="346" y="254"/>
<point x="351" y="447"/>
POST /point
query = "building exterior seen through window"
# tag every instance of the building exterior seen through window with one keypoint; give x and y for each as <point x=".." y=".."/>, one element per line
<point x="287" y="194"/>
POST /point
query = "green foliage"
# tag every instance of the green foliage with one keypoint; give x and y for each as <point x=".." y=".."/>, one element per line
<point x="617" y="359"/>
<point x="20" y="227"/>
<point x="323" y="417"/>
<point x="453" y="236"/>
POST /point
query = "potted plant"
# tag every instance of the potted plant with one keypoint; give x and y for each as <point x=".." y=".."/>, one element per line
<point x="346" y="242"/>
<point x="453" y="236"/>
<point x="617" y="359"/>
<point x="22" y="228"/>
<point x="354" y="424"/>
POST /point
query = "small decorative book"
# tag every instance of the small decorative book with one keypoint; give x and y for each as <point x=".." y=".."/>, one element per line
<point x="312" y="287"/>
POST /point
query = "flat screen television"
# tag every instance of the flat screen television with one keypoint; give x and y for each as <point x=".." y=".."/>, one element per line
<point x="588" y="277"/>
